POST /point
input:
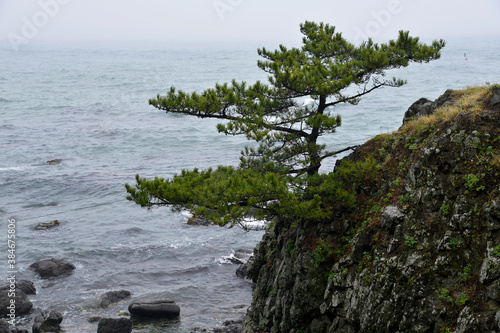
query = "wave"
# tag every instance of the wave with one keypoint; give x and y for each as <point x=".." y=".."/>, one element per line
<point x="235" y="257"/>
<point x="16" y="168"/>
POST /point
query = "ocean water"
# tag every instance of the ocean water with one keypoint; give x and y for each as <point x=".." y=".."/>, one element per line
<point x="87" y="106"/>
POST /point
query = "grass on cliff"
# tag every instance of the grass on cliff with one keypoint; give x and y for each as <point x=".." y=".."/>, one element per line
<point x="472" y="100"/>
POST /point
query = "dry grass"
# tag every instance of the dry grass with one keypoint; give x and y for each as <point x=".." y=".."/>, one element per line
<point x="470" y="101"/>
<point x="495" y="160"/>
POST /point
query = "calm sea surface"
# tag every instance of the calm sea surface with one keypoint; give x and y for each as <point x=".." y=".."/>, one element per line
<point x="87" y="106"/>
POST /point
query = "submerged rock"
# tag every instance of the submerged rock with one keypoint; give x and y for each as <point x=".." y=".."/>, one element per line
<point x="47" y="225"/>
<point x="51" y="268"/>
<point x="54" y="162"/>
<point x="198" y="220"/>
<point x="112" y="325"/>
<point x="114" y="297"/>
<point x="155" y="308"/>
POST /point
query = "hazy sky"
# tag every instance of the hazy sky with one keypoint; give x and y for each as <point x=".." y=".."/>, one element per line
<point x="257" y="21"/>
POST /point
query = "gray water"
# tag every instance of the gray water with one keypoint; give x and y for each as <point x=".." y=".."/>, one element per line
<point x="87" y="105"/>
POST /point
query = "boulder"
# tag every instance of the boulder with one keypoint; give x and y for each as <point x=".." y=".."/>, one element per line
<point x="48" y="322"/>
<point x="113" y="297"/>
<point x="22" y="304"/>
<point x="25" y="286"/>
<point x="230" y="326"/>
<point x="51" y="268"/>
<point x="424" y="107"/>
<point x="112" y="325"/>
<point x="155" y="308"/>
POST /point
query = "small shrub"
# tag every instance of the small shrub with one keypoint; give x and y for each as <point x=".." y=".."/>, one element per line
<point x="445" y="209"/>
<point x="410" y="241"/>
<point x="467" y="273"/>
<point x="496" y="252"/>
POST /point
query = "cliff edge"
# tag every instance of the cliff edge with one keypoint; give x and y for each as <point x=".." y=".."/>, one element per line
<point x="419" y="248"/>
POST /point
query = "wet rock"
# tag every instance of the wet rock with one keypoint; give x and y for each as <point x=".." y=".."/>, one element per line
<point x="5" y="327"/>
<point x="25" y="286"/>
<point x="242" y="272"/>
<point x="48" y="322"/>
<point x="47" y="225"/>
<point x="114" y="297"/>
<point x="94" y="319"/>
<point x="21" y="302"/>
<point x="155" y="308"/>
<point x="54" y="162"/>
<point x="112" y="325"/>
<point x="52" y="268"/>
<point x="230" y="326"/>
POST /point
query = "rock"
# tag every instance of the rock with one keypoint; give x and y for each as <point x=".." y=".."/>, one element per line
<point x="22" y="304"/>
<point x="490" y="270"/>
<point x="155" y="308"/>
<point x="391" y="216"/>
<point x="5" y="327"/>
<point x="198" y="220"/>
<point x="424" y="107"/>
<point x="493" y="215"/>
<point x="114" y="297"/>
<point x="94" y="319"/>
<point x="54" y="162"/>
<point x="230" y="326"/>
<point x="242" y="272"/>
<point x="112" y="325"/>
<point x="48" y="322"/>
<point x="52" y="268"/>
<point x="25" y="286"/>
<point x="47" y="225"/>
<point x="494" y="103"/>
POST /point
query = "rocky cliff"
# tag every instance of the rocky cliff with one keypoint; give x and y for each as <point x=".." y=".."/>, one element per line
<point x="418" y="251"/>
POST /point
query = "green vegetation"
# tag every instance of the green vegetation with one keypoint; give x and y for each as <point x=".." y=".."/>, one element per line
<point x="496" y="252"/>
<point x="410" y="241"/>
<point x="280" y="175"/>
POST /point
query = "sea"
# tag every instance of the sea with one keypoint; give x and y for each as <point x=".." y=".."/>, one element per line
<point x="75" y="126"/>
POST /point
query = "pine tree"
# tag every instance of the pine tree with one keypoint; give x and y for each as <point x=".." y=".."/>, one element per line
<point x="288" y="156"/>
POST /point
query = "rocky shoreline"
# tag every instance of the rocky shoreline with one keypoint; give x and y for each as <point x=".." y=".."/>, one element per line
<point x="45" y="321"/>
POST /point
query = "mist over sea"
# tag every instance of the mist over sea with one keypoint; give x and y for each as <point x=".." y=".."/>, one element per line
<point x="86" y="106"/>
